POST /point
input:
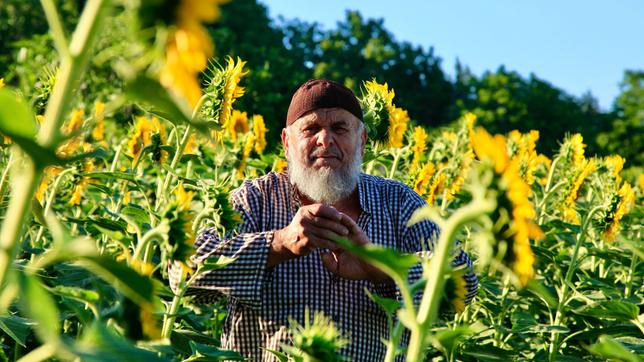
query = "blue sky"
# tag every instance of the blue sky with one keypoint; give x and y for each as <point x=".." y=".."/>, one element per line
<point x="576" y="45"/>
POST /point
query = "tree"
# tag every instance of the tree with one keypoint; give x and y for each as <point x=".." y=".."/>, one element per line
<point x="626" y="134"/>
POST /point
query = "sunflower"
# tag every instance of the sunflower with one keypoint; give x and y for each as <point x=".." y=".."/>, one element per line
<point x="435" y="188"/>
<point x="513" y="200"/>
<point x="223" y="89"/>
<point x="238" y="124"/>
<point x="573" y="150"/>
<point x="620" y="204"/>
<point x="147" y="132"/>
<point x="398" y="121"/>
<point x="49" y="174"/>
<point x="98" y="133"/>
<point x="188" y="49"/>
<point x="279" y="165"/>
<point x="424" y="177"/>
<point x="615" y="164"/>
<point x="419" y="146"/>
<point x="75" y="122"/>
<point x="522" y="147"/>
<point x="1" y="82"/>
<point x="573" y="190"/>
<point x="383" y="120"/>
<point x="259" y="132"/>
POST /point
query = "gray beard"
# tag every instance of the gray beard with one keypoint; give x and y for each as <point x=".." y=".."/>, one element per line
<point x="325" y="185"/>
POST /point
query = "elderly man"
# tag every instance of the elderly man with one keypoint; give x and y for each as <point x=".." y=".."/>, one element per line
<point x="286" y="260"/>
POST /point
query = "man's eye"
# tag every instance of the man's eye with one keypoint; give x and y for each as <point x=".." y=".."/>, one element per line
<point x="339" y="129"/>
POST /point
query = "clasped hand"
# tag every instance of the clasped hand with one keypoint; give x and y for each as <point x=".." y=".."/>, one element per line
<point x="317" y="226"/>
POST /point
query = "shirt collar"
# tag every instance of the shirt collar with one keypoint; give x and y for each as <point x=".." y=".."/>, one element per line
<point x="365" y="194"/>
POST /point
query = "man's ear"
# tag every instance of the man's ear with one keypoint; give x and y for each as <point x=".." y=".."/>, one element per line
<point x="285" y="140"/>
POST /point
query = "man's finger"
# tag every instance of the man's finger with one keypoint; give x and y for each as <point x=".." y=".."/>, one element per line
<point x="330" y="262"/>
<point x="324" y="211"/>
<point x="323" y="223"/>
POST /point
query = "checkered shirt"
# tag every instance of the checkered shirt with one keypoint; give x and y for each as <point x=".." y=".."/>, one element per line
<point x="262" y="300"/>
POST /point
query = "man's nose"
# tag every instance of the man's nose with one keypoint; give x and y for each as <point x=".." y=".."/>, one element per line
<point x="325" y="137"/>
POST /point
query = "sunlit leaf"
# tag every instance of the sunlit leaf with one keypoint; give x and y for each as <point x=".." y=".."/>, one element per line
<point x="122" y="277"/>
<point x="607" y="347"/>
<point x="16" y="118"/>
<point x="17" y="328"/>
<point x="38" y="305"/>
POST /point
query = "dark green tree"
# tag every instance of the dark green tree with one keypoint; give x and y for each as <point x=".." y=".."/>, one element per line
<point x="626" y="134"/>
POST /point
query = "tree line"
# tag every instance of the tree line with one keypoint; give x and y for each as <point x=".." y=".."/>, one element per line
<point x="283" y="53"/>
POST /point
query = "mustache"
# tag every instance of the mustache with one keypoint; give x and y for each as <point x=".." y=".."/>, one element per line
<point x="326" y="153"/>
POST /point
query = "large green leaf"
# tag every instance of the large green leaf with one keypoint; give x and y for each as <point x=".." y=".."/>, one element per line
<point x="610" y="348"/>
<point x="387" y="259"/>
<point x="611" y="309"/>
<point x="206" y="353"/>
<point x="158" y="101"/>
<point x="125" y="279"/>
<point x="16" y="118"/>
<point x="390" y="306"/>
<point x="17" y="328"/>
<point x="100" y="344"/>
<point x="215" y="264"/>
<point x="38" y="305"/>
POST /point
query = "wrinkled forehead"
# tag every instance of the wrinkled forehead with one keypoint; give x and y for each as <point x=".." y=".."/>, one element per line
<point x="327" y="117"/>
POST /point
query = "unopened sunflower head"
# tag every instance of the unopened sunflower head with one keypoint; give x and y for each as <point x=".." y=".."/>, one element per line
<point x="619" y="205"/>
<point x="376" y="104"/>
<point x="222" y="90"/>
<point x="571" y="193"/>
<point x="318" y="340"/>
<point x="572" y="150"/>
<point x="180" y="243"/>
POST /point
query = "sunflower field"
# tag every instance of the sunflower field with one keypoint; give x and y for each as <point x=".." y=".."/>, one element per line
<point x="120" y="149"/>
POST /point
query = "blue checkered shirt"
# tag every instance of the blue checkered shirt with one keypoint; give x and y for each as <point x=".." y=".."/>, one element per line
<point x="261" y="299"/>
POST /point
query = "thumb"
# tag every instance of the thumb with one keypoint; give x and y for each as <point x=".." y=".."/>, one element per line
<point x="330" y="262"/>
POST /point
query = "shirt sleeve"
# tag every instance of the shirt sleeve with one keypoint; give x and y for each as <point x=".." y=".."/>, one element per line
<point x="243" y="278"/>
<point x="420" y="239"/>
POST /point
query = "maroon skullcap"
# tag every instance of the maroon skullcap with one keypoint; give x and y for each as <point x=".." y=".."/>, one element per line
<point x="321" y="93"/>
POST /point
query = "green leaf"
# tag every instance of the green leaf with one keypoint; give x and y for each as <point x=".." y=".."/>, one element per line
<point x="112" y="175"/>
<point x="611" y="309"/>
<point x="522" y="321"/>
<point x="158" y="101"/>
<point x="281" y="357"/>
<point x="17" y="328"/>
<point x="100" y="344"/>
<point x="206" y="353"/>
<point x="388" y="260"/>
<point x="137" y="214"/>
<point x="37" y="304"/>
<point x="16" y="118"/>
<point x="214" y="264"/>
<point x="448" y="339"/>
<point x="389" y="305"/>
<point x="80" y="294"/>
<point x="122" y="277"/>
<point x="489" y="353"/>
<point x="610" y="348"/>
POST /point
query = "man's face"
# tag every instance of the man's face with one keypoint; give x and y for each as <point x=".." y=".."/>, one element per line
<point x="324" y="150"/>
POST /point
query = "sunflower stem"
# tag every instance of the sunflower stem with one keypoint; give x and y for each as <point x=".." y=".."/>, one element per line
<point x="565" y="289"/>
<point x="428" y="309"/>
